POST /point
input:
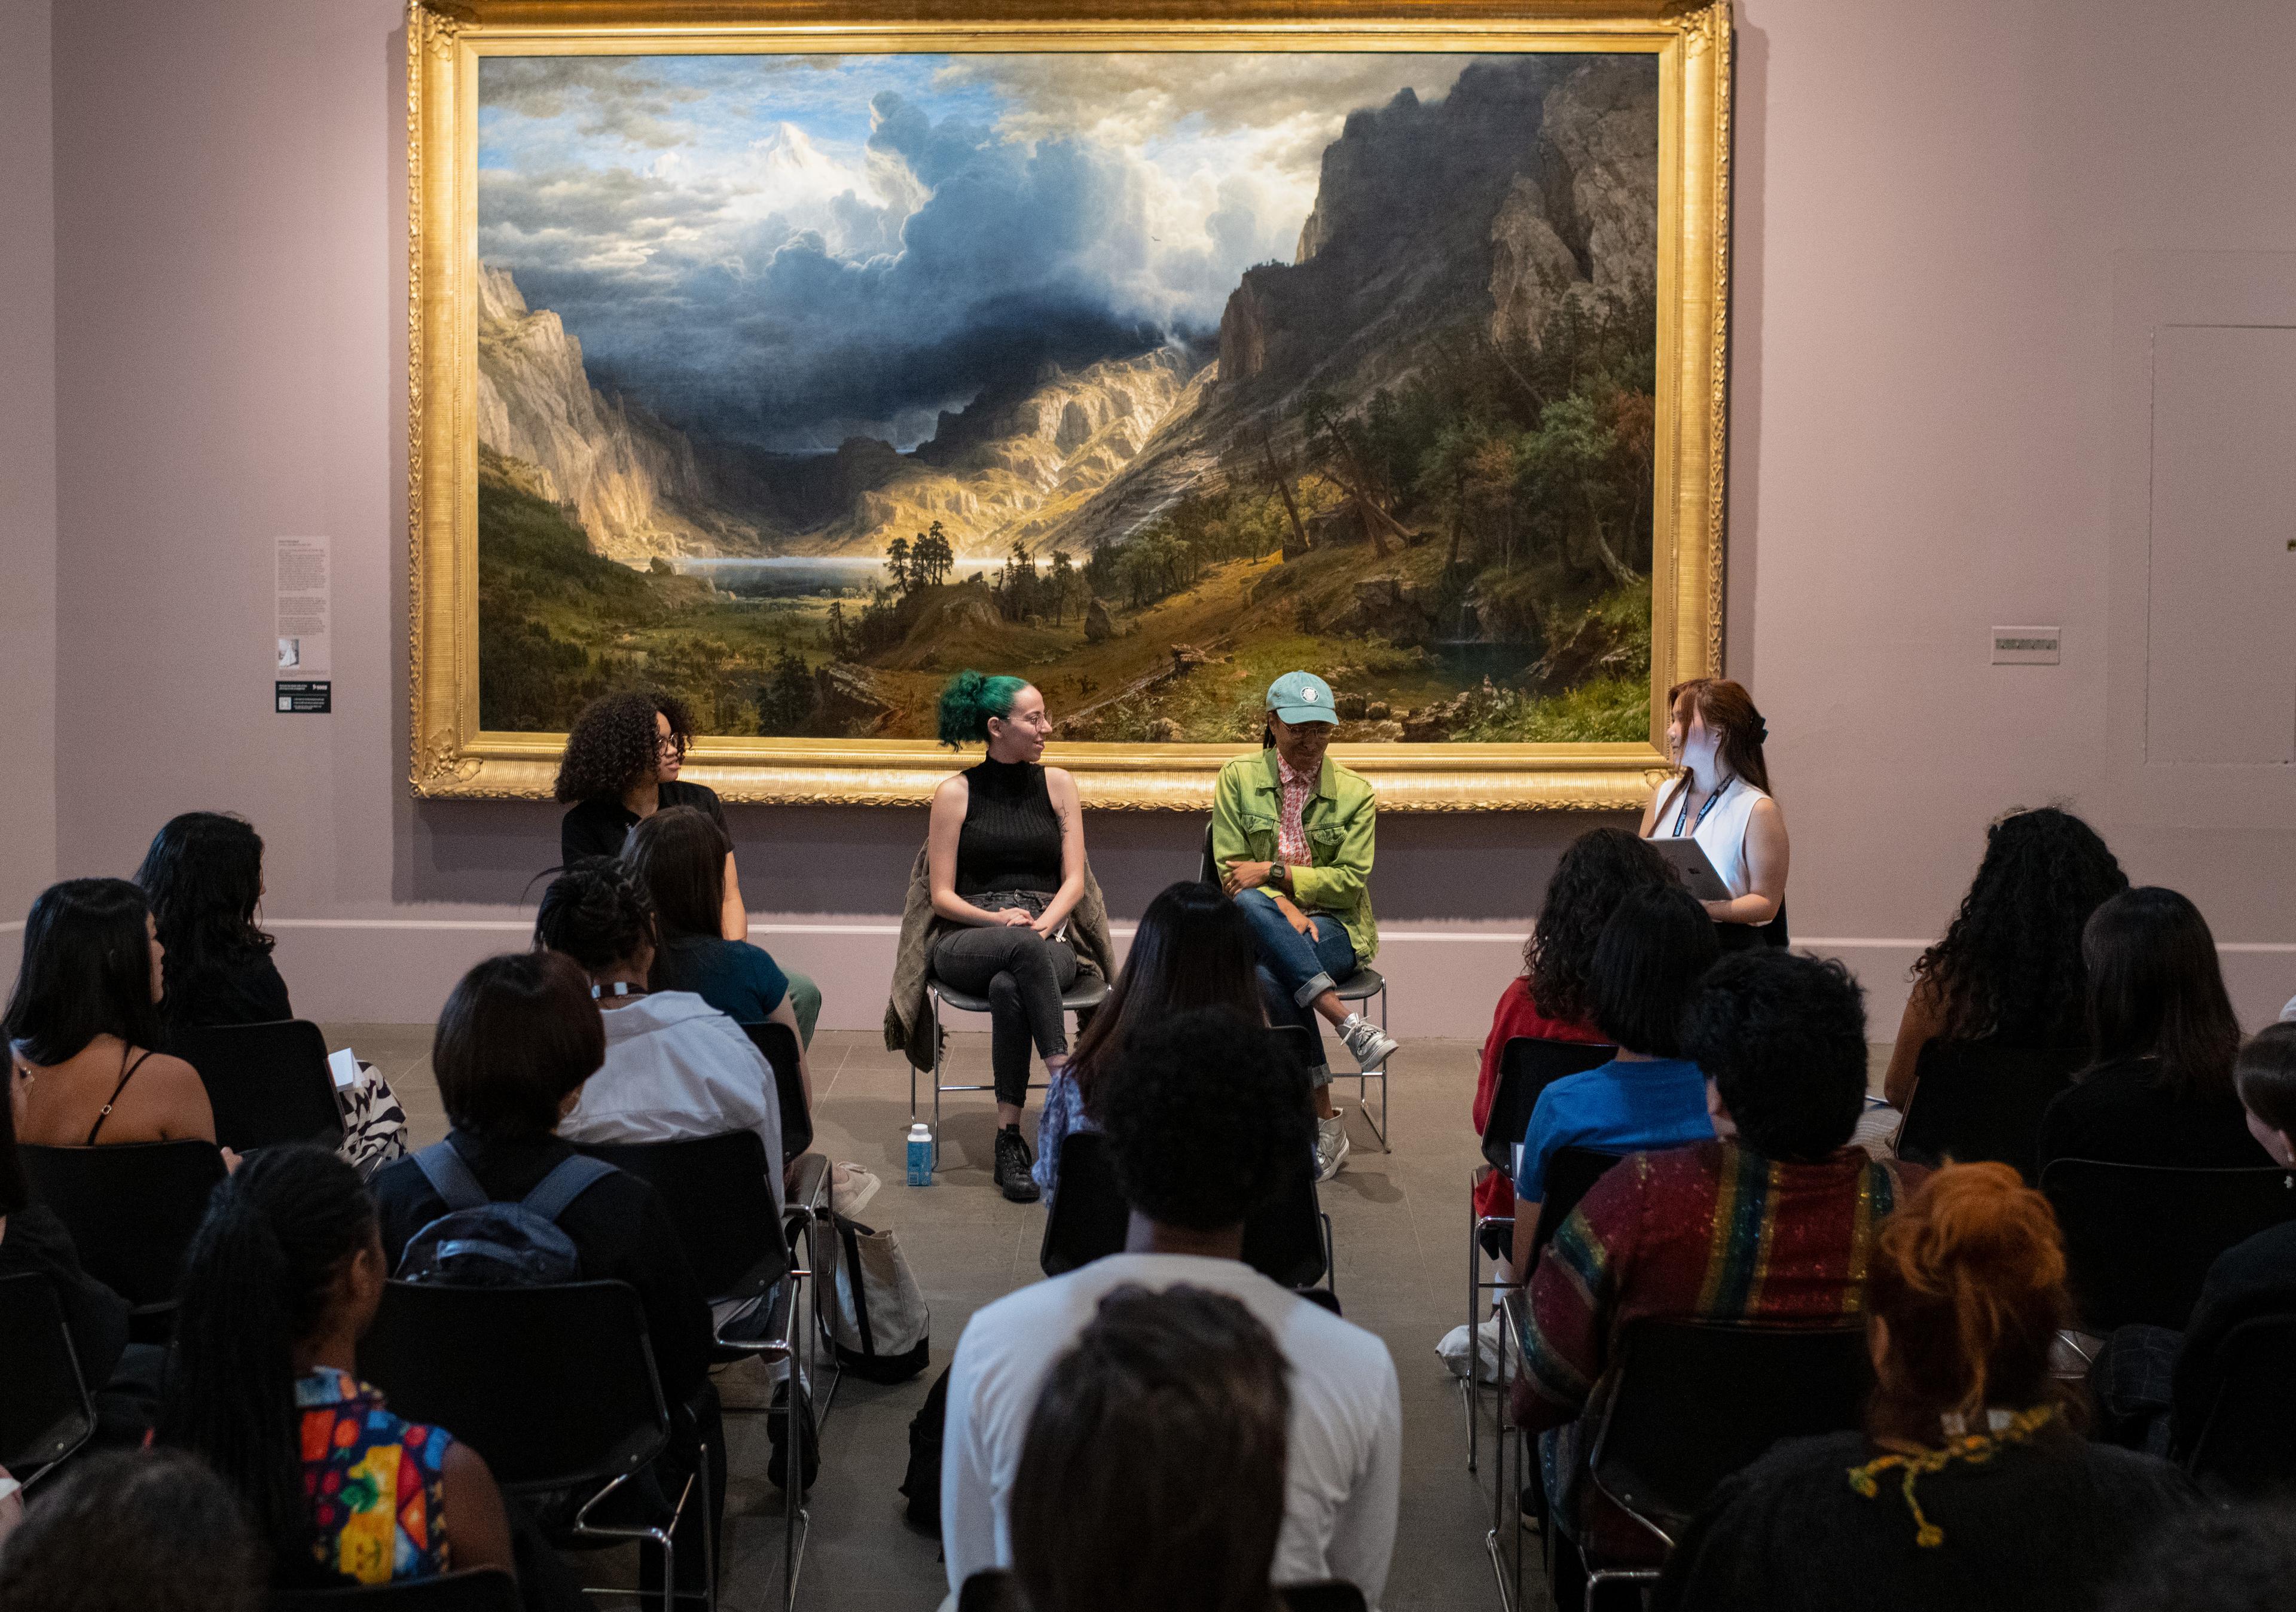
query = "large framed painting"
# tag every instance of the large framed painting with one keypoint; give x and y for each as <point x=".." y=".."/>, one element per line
<point x="790" y="359"/>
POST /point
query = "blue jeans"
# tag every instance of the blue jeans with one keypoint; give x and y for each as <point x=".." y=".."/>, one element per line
<point x="1294" y="971"/>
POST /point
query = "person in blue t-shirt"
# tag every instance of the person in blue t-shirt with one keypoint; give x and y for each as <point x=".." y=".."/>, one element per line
<point x="1654" y="946"/>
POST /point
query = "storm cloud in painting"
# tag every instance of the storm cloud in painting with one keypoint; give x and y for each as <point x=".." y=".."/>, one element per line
<point x="796" y="250"/>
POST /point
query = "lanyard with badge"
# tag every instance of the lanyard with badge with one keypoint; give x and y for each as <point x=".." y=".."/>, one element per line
<point x="1711" y="801"/>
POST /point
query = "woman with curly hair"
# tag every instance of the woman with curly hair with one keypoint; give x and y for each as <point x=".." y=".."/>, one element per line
<point x="1970" y="1485"/>
<point x="1721" y="798"/>
<point x="2009" y="969"/>
<point x="621" y="767"/>
<point x="1549" y="1000"/>
<point x="1004" y="853"/>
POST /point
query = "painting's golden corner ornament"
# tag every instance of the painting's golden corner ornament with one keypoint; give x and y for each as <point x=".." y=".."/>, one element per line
<point x="451" y="754"/>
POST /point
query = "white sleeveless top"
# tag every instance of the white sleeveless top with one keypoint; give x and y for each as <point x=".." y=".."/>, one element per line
<point x="1721" y="833"/>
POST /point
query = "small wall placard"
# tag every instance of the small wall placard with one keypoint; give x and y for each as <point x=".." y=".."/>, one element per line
<point x="304" y="696"/>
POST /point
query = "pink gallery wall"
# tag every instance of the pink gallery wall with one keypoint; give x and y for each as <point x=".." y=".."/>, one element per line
<point x="1931" y="203"/>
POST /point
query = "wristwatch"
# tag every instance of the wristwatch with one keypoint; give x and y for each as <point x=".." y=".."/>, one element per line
<point x="1284" y="876"/>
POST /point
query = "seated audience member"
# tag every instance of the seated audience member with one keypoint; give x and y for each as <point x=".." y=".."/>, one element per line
<point x="1971" y="1486"/>
<point x="676" y="1067"/>
<point x="2009" y="969"/>
<point x="1152" y="1476"/>
<point x="1206" y="1119"/>
<point x="282" y="1279"/>
<point x="2253" y="1279"/>
<point x="83" y="1022"/>
<point x="2163" y="1034"/>
<point x="133" y="1531"/>
<point x="123" y="1377"/>
<point x="678" y="856"/>
<point x="517" y="1039"/>
<point x="203" y="877"/>
<point x="1193" y="949"/>
<point x="1657" y="944"/>
<point x="2242" y="1559"/>
<point x="1773" y="1220"/>
<point x="1551" y="998"/>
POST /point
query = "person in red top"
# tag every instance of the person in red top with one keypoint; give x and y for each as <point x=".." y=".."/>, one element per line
<point x="1549" y="1000"/>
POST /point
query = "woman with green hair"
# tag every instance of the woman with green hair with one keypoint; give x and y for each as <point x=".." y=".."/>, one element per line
<point x="1004" y="861"/>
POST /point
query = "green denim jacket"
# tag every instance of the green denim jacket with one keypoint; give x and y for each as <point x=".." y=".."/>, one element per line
<point x="1340" y="821"/>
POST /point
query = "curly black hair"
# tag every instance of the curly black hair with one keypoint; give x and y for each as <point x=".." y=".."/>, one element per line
<point x="1594" y="874"/>
<point x="2010" y="965"/>
<point x="1207" y="1118"/>
<point x="1653" y="952"/>
<point x="597" y="912"/>
<point x="614" y="746"/>
<point x="1784" y="1037"/>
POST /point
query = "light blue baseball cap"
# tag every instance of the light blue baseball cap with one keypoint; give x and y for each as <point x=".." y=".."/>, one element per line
<point x="1302" y="696"/>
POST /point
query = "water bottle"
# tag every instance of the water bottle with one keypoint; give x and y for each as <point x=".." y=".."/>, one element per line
<point x="921" y="1152"/>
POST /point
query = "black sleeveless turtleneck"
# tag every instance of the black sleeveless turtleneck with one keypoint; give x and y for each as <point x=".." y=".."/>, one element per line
<point x="1012" y="836"/>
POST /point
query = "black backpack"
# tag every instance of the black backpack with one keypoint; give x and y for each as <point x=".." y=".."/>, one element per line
<point x="480" y="1243"/>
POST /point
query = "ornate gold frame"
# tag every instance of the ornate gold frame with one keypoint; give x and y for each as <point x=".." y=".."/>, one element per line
<point x="452" y="759"/>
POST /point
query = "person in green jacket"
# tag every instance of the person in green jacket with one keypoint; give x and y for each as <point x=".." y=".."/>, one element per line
<point x="1292" y="837"/>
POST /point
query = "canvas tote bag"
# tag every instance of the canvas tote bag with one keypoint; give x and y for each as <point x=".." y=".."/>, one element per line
<point x="878" y="1317"/>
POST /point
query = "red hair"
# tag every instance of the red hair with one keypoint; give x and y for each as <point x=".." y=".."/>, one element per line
<point x="1728" y="712"/>
<point x="1969" y="1278"/>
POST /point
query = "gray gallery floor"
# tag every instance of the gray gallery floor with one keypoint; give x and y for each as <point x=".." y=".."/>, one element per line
<point x="1400" y="1220"/>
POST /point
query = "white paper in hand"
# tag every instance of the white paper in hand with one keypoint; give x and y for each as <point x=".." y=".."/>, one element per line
<point x="344" y="1067"/>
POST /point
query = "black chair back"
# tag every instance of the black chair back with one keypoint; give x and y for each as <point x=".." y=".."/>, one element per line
<point x="997" y="1590"/>
<point x="475" y="1589"/>
<point x="269" y="1083"/>
<point x="131" y="1208"/>
<point x="2247" y="1443"/>
<point x="1335" y="1595"/>
<point x="1695" y="1400"/>
<point x="1979" y="1101"/>
<point x="778" y="1043"/>
<point x="1570" y="1174"/>
<point x="1207" y="871"/>
<point x="46" y="1415"/>
<point x="2139" y="1239"/>
<point x="1528" y="1066"/>
<point x="1283" y="1241"/>
<point x="554" y="1386"/>
<point x="721" y="1201"/>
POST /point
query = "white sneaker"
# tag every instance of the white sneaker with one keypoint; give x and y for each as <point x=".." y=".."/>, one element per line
<point x="1331" y="1146"/>
<point x="850" y="1189"/>
<point x="1371" y="1046"/>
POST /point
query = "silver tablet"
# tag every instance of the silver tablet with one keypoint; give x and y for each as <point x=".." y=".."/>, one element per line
<point x="1688" y="858"/>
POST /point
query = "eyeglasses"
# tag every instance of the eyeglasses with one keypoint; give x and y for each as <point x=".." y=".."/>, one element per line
<point x="670" y="744"/>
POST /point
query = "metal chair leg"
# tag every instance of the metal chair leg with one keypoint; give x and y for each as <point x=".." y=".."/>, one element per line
<point x="1471" y="1387"/>
<point x="938" y="1046"/>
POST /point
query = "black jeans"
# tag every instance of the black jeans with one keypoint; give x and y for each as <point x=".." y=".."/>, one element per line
<point x="1022" y="974"/>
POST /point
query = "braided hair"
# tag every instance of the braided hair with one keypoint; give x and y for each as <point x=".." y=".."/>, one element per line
<point x="2010" y="965"/>
<point x="969" y="699"/>
<point x="257" y="1280"/>
<point x="597" y="912"/>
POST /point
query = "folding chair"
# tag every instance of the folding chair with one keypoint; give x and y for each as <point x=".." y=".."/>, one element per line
<point x="1088" y="992"/>
<point x="778" y="1043"/>
<point x="721" y="1201"/>
<point x="2246" y="1446"/>
<point x="2139" y="1239"/>
<point x="477" y="1590"/>
<point x="1364" y="985"/>
<point x="1692" y="1402"/>
<point x="1977" y="1101"/>
<point x="131" y="1208"/>
<point x="997" y="1590"/>
<point x="46" y="1413"/>
<point x="555" y="1386"/>
<point x="269" y="1083"/>
<point x="1528" y="1066"/>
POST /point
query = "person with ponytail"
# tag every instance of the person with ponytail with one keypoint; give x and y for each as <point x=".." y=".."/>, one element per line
<point x="1721" y="798"/>
<point x="1972" y="1485"/>
<point x="1005" y="873"/>
<point x="83" y="1025"/>
<point x="281" y="1279"/>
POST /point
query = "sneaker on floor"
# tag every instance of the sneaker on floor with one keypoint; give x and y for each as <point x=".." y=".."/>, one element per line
<point x="1371" y="1046"/>
<point x="1331" y="1146"/>
<point x="850" y="1189"/>
<point x="1013" y="1160"/>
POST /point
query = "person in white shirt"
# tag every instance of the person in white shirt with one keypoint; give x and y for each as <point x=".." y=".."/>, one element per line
<point x="1206" y="1118"/>
<point x="675" y="1069"/>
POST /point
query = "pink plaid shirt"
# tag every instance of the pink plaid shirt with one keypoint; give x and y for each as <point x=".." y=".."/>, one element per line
<point x="1291" y="835"/>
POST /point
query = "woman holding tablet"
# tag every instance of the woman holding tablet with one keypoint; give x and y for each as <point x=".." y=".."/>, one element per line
<point x="1721" y="800"/>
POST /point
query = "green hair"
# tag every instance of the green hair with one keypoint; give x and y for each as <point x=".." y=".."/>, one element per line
<point x="969" y="699"/>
